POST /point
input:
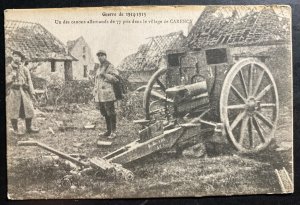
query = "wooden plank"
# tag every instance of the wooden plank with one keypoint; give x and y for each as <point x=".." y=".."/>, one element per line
<point x="104" y="143"/>
<point x="287" y="182"/>
<point x="280" y="181"/>
<point x="89" y="127"/>
<point x="284" y="180"/>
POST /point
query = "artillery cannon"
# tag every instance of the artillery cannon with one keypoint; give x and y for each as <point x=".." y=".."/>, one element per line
<point x="201" y="91"/>
<point x="240" y="98"/>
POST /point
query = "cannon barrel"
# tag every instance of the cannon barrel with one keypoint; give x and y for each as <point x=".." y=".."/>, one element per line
<point x="188" y="98"/>
<point x="183" y="91"/>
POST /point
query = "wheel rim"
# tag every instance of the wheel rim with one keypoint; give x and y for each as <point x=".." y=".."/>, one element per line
<point x="249" y="105"/>
<point x="154" y="100"/>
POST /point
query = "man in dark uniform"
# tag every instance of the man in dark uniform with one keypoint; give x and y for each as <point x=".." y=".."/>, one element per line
<point x="104" y="93"/>
<point x="19" y="92"/>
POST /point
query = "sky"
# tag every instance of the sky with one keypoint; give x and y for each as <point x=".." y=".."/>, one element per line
<point x="118" y="40"/>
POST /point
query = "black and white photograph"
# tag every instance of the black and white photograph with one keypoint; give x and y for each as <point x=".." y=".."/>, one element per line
<point x="149" y="101"/>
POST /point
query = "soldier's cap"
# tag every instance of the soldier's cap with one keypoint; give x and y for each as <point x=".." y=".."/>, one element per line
<point x="101" y="52"/>
<point x="19" y="53"/>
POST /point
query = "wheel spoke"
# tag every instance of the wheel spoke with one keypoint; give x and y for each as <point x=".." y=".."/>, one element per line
<point x="243" y="128"/>
<point x="243" y="82"/>
<point x="264" y="119"/>
<point x="258" y="82"/>
<point x="161" y="85"/>
<point x="267" y="105"/>
<point x="235" y="107"/>
<point x="263" y="92"/>
<point x="259" y="130"/>
<point x="250" y="126"/>
<point x="250" y="78"/>
<point x="238" y="94"/>
<point x="238" y="118"/>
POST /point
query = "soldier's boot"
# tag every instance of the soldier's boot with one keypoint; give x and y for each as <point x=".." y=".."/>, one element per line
<point x="29" y="128"/>
<point x="14" y="123"/>
<point x="108" y="128"/>
<point x="113" y="127"/>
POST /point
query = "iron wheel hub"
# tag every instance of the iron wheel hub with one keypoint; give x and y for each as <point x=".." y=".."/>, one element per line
<point x="252" y="105"/>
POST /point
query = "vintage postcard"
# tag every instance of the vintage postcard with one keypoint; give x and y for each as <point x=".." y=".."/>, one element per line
<point x="152" y="101"/>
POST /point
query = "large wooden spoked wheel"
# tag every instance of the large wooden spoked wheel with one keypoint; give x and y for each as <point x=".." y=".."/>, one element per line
<point x="249" y="105"/>
<point x="155" y="99"/>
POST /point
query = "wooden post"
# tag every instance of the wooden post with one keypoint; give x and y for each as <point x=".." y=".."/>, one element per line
<point x="68" y="70"/>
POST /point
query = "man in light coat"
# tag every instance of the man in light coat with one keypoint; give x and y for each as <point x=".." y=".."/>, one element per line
<point x="104" y="93"/>
<point x="19" y="92"/>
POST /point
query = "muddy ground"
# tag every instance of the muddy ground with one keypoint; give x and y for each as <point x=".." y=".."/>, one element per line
<point x="32" y="175"/>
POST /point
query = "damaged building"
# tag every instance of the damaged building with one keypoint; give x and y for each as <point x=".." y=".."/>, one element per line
<point x="140" y="66"/>
<point x="46" y="55"/>
<point x="223" y="35"/>
<point x="82" y="52"/>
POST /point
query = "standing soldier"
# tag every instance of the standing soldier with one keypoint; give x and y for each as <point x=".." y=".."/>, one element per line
<point x="105" y="76"/>
<point x="19" y="92"/>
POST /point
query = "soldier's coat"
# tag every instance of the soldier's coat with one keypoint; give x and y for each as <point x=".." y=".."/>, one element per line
<point x="15" y="97"/>
<point x="104" y="76"/>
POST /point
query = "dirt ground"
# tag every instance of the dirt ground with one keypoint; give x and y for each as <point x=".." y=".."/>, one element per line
<point x="32" y="175"/>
